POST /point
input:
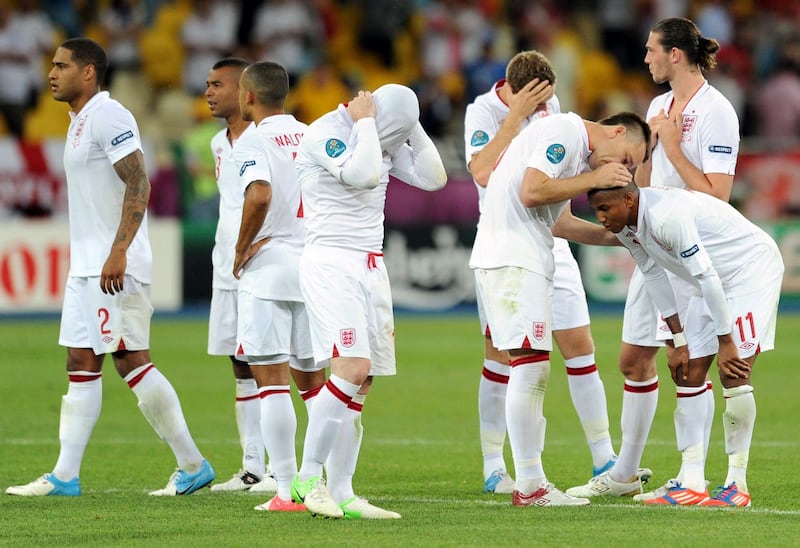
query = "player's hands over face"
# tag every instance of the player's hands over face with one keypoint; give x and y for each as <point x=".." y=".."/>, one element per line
<point x="678" y="362"/>
<point x="525" y="102"/>
<point x="113" y="274"/>
<point x="612" y="175"/>
<point x="361" y="106"/>
<point x="241" y="258"/>
<point x="668" y="129"/>
<point x="730" y="364"/>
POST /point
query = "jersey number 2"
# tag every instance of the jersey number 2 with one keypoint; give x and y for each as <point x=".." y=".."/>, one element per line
<point x="103" y="314"/>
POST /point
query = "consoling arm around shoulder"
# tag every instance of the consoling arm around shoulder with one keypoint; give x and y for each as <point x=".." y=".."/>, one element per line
<point x="419" y="163"/>
<point x="582" y="231"/>
<point x="363" y="168"/>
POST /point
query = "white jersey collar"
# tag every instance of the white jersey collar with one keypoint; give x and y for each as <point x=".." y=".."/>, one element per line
<point x="96" y="99"/>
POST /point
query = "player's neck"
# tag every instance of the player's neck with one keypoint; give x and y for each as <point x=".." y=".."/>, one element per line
<point x="236" y="127"/>
<point x="685" y="85"/>
<point x="77" y="104"/>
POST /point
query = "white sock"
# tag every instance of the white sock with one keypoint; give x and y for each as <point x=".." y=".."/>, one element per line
<point x="248" y="422"/>
<point x="325" y="417"/>
<point x="160" y="406"/>
<point x="739" y="419"/>
<point x="278" y="428"/>
<point x="589" y="398"/>
<point x="710" y="404"/>
<point x="690" y="424"/>
<point x="309" y="396"/>
<point x="342" y="460"/>
<point x="639" y="401"/>
<point x="492" y="414"/>
<point x="527" y="385"/>
<point x="80" y="409"/>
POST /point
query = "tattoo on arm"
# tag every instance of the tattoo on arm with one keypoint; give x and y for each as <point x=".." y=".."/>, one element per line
<point x="132" y="171"/>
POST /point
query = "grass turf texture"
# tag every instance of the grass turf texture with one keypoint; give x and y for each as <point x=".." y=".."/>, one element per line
<point x="420" y="456"/>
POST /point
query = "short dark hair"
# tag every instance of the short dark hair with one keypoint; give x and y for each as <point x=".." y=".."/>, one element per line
<point x="269" y="81"/>
<point x="527" y="66"/>
<point x="634" y="124"/>
<point x="236" y="62"/>
<point x="630" y="187"/>
<point x="86" y="51"/>
<point x="681" y="33"/>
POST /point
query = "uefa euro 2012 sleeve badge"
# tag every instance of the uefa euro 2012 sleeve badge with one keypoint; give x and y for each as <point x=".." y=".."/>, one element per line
<point x="334" y="148"/>
<point x="555" y="153"/>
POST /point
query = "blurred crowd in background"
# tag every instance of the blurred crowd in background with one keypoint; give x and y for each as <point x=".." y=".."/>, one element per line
<point x="448" y="51"/>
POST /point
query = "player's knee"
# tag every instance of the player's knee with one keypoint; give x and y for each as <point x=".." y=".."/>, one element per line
<point x="638" y="363"/>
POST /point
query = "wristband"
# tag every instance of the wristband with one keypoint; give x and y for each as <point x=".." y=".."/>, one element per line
<point x="678" y="340"/>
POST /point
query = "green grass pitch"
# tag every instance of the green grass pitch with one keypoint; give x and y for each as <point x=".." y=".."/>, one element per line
<point x="420" y="455"/>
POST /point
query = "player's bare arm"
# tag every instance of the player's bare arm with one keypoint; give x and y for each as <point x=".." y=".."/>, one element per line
<point x="579" y="230"/>
<point x="539" y="189"/>
<point x="132" y="171"/>
<point x="668" y="130"/>
<point x="521" y="105"/>
<point x="257" y="198"/>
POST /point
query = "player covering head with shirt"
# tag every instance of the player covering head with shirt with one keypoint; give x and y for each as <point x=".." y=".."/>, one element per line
<point x="107" y="297"/>
<point x="720" y="300"/>
<point x="344" y="164"/>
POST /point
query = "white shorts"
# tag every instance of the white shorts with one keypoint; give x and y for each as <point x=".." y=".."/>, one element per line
<point x="569" y="306"/>
<point x="518" y="307"/>
<point x="569" y="298"/>
<point x="267" y="328"/>
<point x="642" y="324"/>
<point x="349" y="304"/>
<point x="222" y="321"/>
<point x="754" y="320"/>
<point x="105" y="323"/>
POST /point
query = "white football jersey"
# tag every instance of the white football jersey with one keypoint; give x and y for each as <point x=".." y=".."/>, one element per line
<point x="267" y="153"/>
<point x="686" y="232"/>
<point x="100" y="135"/>
<point x="337" y="214"/>
<point x="230" y="210"/>
<point x="709" y="139"/>
<point x="510" y="234"/>
<point x="485" y="116"/>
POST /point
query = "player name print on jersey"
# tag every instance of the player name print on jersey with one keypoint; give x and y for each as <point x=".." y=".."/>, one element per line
<point x="334" y="148"/>
<point x="288" y="139"/>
